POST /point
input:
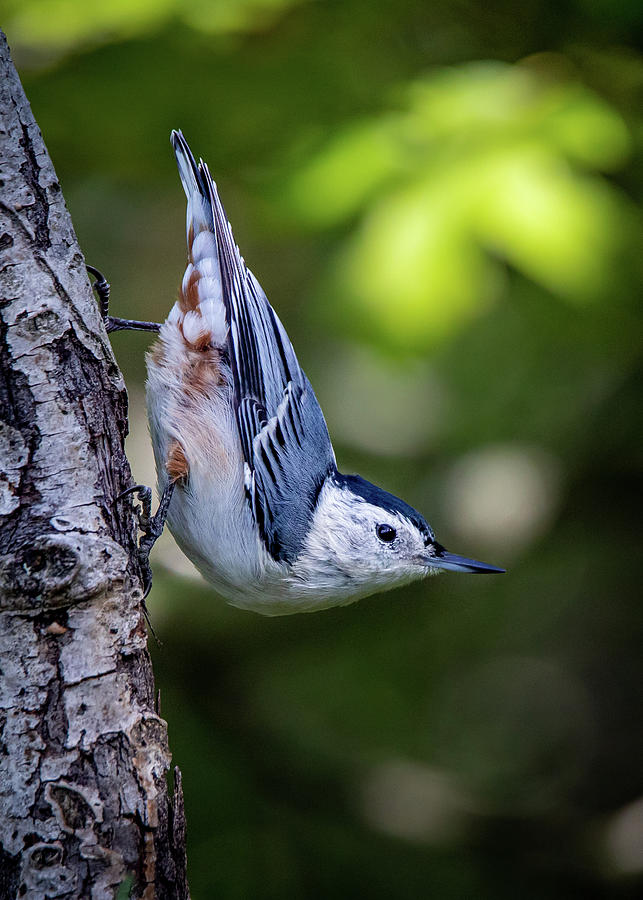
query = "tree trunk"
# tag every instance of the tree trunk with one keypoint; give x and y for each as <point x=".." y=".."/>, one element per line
<point x="84" y="806"/>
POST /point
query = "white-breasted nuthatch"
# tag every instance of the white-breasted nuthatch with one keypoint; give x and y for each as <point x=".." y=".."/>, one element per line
<point x="245" y="465"/>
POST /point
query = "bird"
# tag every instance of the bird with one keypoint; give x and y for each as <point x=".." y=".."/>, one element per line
<point x="246" y="470"/>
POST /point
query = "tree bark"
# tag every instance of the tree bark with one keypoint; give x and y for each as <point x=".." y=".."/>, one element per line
<point x="84" y="805"/>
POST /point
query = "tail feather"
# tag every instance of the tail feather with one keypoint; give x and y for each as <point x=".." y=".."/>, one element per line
<point x="199" y="216"/>
<point x="200" y="307"/>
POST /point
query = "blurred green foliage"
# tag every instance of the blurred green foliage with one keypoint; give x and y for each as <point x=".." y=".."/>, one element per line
<point x="56" y="26"/>
<point x="441" y="202"/>
<point x="487" y="164"/>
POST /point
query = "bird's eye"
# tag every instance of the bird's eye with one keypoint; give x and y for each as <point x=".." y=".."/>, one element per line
<point x="385" y="533"/>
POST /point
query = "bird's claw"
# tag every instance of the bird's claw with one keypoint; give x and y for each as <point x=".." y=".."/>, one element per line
<point x="102" y="288"/>
<point x="145" y="496"/>
<point x="113" y="323"/>
<point x="150" y="525"/>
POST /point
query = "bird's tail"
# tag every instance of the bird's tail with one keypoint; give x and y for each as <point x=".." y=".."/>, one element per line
<point x="200" y="310"/>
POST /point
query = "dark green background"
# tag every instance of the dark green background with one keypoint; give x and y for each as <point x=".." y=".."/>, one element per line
<point x="440" y="201"/>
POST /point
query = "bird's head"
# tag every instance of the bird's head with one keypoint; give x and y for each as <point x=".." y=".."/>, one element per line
<point x="363" y="539"/>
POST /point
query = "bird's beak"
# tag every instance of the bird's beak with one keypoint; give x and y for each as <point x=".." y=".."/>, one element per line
<point x="439" y="558"/>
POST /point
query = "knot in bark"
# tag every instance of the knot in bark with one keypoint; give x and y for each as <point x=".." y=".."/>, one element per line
<point x="59" y="570"/>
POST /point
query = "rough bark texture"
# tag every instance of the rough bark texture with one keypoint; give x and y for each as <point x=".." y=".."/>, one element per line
<point x="84" y="805"/>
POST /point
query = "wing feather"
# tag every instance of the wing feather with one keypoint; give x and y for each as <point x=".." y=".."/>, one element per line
<point x="283" y="434"/>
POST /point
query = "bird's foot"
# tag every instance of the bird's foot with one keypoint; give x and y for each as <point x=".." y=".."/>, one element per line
<point x="150" y="525"/>
<point x="112" y="323"/>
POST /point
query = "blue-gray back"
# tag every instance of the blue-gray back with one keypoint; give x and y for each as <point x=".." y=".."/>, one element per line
<point x="282" y="430"/>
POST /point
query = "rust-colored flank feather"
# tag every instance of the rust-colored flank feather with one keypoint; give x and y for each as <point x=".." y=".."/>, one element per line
<point x="193" y="370"/>
<point x="189" y="298"/>
<point x="202" y="343"/>
<point x="177" y="465"/>
<point x="203" y="374"/>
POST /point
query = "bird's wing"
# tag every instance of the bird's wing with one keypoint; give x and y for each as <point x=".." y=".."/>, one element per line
<point x="285" y="441"/>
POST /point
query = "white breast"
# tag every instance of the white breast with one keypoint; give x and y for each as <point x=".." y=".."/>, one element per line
<point x="189" y="403"/>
